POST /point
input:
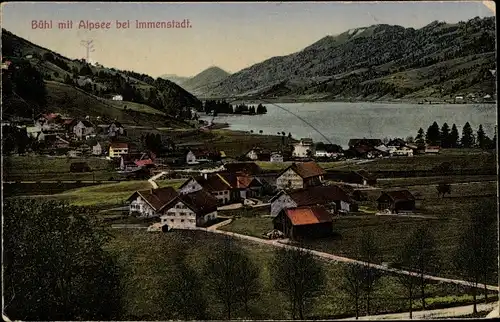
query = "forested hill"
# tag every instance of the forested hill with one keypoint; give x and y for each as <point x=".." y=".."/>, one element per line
<point x="73" y="78"/>
<point x="378" y="62"/>
<point x="202" y="81"/>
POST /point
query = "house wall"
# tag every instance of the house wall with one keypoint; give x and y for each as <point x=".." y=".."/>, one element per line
<point x="300" y="151"/>
<point x="312" y="231"/>
<point x="97" y="150"/>
<point x="142" y="207"/>
<point x="190" y="158"/>
<point x="191" y="186"/>
<point x="313" y="181"/>
<point x="252" y="155"/>
<point x="223" y="197"/>
<point x="284" y="201"/>
<point x="116" y="153"/>
<point x="289" y="179"/>
<point x="179" y="216"/>
<point x="276" y="158"/>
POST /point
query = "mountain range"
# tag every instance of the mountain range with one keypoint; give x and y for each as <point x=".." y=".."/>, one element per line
<point x="379" y="62"/>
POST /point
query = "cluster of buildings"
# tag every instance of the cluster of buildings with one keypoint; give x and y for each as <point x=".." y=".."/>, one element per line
<point x="303" y="203"/>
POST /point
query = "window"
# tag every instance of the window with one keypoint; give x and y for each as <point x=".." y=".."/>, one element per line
<point x="192" y="220"/>
<point x="182" y="220"/>
<point x="171" y="220"/>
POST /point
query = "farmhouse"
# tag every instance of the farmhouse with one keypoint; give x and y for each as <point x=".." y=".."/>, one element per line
<point x="258" y="154"/>
<point x="226" y="187"/>
<point x="361" y="177"/>
<point x="333" y="198"/>
<point x="303" y="149"/>
<point x="97" y="149"/>
<point x="304" y="222"/>
<point x="402" y="151"/>
<point x="116" y="149"/>
<point x="276" y="157"/>
<point x="300" y="175"/>
<point x="396" y="201"/>
<point x="83" y="128"/>
<point x="175" y="210"/>
<point x="115" y="129"/>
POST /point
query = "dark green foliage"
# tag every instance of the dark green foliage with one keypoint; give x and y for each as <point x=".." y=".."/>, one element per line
<point x="445" y="136"/>
<point x="477" y="254"/>
<point x="453" y="137"/>
<point x="467" y="140"/>
<point x="420" y="138"/>
<point x="54" y="264"/>
<point x="483" y="141"/>
<point x="299" y="276"/>
<point x="183" y="295"/>
<point x="433" y="135"/>
<point x="231" y="276"/>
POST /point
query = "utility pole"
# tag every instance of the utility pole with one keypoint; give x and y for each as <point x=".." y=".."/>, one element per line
<point x="89" y="46"/>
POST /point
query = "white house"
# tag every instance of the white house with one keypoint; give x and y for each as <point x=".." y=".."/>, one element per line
<point x="97" y="149"/>
<point x="83" y="128"/>
<point x="402" y="151"/>
<point x="300" y="175"/>
<point x="276" y="157"/>
<point x="303" y="148"/>
<point x="191" y="158"/>
<point x="117" y="149"/>
<point x="325" y="154"/>
<point x="117" y="98"/>
<point x="181" y="211"/>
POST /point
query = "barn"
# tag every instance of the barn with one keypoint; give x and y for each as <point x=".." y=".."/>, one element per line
<point x="396" y="201"/>
<point x="304" y="222"/>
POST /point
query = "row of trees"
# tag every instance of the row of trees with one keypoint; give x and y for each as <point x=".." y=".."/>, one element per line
<point x="223" y="106"/>
<point x="449" y="138"/>
<point x="474" y="258"/>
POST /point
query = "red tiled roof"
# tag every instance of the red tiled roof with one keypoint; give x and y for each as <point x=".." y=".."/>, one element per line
<point x="319" y="195"/>
<point x="306" y="169"/>
<point x="240" y="180"/>
<point x="142" y="163"/>
<point x="397" y="195"/>
<point x="308" y="215"/>
<point x="116" y="145"/>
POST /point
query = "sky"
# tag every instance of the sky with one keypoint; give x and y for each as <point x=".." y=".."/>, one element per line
<point x="232" y="36"/>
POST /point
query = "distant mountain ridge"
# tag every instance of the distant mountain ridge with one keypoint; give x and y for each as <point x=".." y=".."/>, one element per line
<point x="202" y="81"/>
<point x="175" y="78"/>
<point x="379" y="62"/>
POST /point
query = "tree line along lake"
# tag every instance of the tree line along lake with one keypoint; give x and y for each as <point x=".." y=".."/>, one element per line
<point x="339" y="122"/>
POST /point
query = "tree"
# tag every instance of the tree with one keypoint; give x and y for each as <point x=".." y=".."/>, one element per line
<point x="443" y="188"/>
<point x="182" y="292"/>
<point x="55" y="264"/>
<point x="225" y="270"/>
<point x="426" y="257"/>
<point x="352" y="283"/>
<point x="407" y="258"/>
<point x="482" y="139"/>
<point x="432" y="135"/>
<point x="445" y="136"/>
<point x="369" y="253"/>
<point x="476" y="255"/>
<point x="453" y="137"/>
<point x="299" y="276"/>
<point x="467" y="140"/>
<point x="419" y="139"/>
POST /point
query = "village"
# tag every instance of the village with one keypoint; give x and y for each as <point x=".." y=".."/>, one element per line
<point x="302" y="197"/>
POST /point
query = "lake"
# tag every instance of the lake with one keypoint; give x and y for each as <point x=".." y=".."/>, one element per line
<point x="339" y="122"/>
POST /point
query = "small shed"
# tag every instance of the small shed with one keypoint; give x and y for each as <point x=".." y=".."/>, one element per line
<point x="304" y="222"/>
<point x="396" y="201"/>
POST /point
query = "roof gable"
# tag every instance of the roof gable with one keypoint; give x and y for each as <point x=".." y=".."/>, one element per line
<point x="308" y="215"/>
<point x="305" y="169"/>
<point x="398" y="195"/>
<point x="156" y="198"/>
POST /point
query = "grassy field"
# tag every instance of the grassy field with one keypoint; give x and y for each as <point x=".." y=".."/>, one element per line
<point x="281" y="165"/>
<point x="145" y="255"/>
<point x="39" y="167"/>
<point x="407" y="182"/>
<point x="142" y="108"/>
<point x="459" y="159"/>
